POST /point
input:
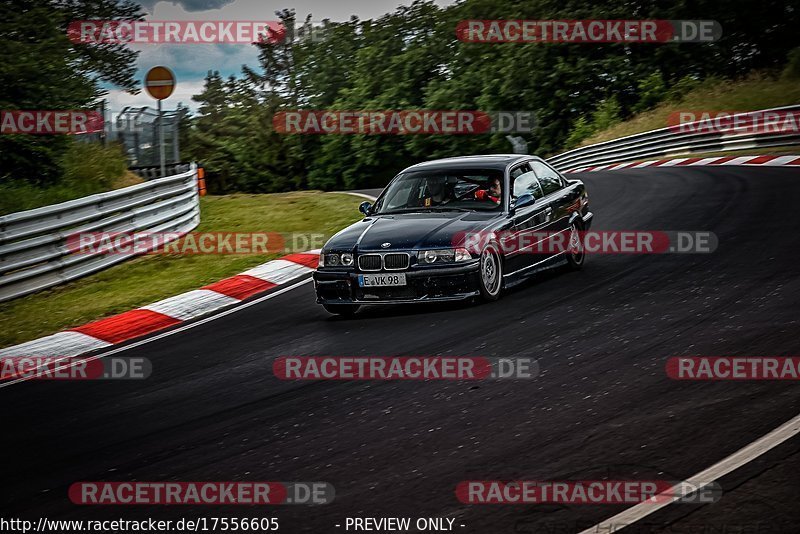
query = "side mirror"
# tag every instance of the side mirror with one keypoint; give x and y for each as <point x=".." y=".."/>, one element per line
<point x="524" y="200"/>
<point x="365" y="207"/>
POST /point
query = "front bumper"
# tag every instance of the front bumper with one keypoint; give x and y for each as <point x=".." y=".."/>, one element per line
<point x="423" y="284"/>
<point x="587" y="220"/>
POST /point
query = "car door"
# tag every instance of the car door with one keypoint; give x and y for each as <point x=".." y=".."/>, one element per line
<point x="557" y="197"/>
<point x="527" y="220"/>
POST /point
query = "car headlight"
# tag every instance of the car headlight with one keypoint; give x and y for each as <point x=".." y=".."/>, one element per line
<point x="335" y="259"/>
<point x="444" y="256"/>
<point x="462" y="254"/>
<point x="429" y="256"/>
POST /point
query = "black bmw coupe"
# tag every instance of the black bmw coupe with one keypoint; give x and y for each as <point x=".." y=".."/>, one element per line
<point x="454" y="229"/>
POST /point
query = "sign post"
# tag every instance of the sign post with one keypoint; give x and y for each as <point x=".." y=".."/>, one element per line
<point x="159" y="83"/>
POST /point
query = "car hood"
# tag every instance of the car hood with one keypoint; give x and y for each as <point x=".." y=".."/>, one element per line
<point x="409" y="230"/>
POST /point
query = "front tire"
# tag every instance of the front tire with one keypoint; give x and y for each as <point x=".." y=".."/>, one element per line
<point x="346" y="310"/>
<point x="576" y="254"/>
<point x="490" y="273"/>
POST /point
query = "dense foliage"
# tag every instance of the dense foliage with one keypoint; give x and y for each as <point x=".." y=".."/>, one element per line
<point x="41" y="69"/>
<point x="410" y="59"/>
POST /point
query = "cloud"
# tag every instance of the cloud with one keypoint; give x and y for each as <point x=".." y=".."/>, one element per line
<point x="189" y="5"/>
<point x="118" y="99"/>
<point x="191" y="62"/>
<point x="337" y="10"/>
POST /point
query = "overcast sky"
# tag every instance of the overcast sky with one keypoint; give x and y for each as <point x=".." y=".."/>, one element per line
<point x="191" y="62"/>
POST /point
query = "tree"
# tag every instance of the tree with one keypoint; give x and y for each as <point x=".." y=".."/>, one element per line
<point x="41" y="69"/>
<point x="411" y="59"/>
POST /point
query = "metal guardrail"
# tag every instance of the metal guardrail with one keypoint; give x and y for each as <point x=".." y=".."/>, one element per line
<point x="665" y="142"/>
<point x="34" y="251"/>
<point x="151" y="172"/>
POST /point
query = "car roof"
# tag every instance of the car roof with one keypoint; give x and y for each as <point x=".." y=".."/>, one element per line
<point x="489" y="161"/>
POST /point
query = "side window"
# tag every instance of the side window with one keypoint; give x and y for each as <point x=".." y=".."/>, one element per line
<point x="519" y="171"/>
<point x="527" y="184"/>
<point x="548" y="178"/>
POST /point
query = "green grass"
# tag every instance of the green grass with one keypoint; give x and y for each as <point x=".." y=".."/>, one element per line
<point x="753" y="93"/>
<point x="88" y="168"/>
<point x="19" y="196"/>
<point x="147" y="279"/>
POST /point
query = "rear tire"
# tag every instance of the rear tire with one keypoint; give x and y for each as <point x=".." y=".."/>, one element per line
<point x="490" y="273"/>
<point x="576" y="254"/>
<point x="346" y="310"/>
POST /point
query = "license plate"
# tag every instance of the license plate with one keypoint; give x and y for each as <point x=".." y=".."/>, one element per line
<point x="381" y="280"/>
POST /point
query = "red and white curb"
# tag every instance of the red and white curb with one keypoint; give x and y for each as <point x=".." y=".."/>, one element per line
<point x="168" y="312"/>
<point x="694" y="162"/>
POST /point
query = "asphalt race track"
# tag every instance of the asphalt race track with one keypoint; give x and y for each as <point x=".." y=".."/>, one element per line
<point x="602" y="407"/>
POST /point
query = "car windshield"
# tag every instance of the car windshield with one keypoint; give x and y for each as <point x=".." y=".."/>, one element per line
<point x="443" y="190"/>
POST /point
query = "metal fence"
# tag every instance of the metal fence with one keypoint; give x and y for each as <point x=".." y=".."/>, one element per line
<point x="34" y="249"/>
<point x="151" y="172"/>
<point x="137" y="130"/>
<point x="665" y="142"/>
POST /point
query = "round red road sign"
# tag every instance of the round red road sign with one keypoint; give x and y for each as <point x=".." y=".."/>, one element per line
<point x="159" y="82"/>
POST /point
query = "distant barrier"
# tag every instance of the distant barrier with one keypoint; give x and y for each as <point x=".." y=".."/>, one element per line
<point x="667" y="142"/>
<point x="152" y="172"/>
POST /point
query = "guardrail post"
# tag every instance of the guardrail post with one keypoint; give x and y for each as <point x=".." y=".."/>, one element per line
<point x="201" y="181"/>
